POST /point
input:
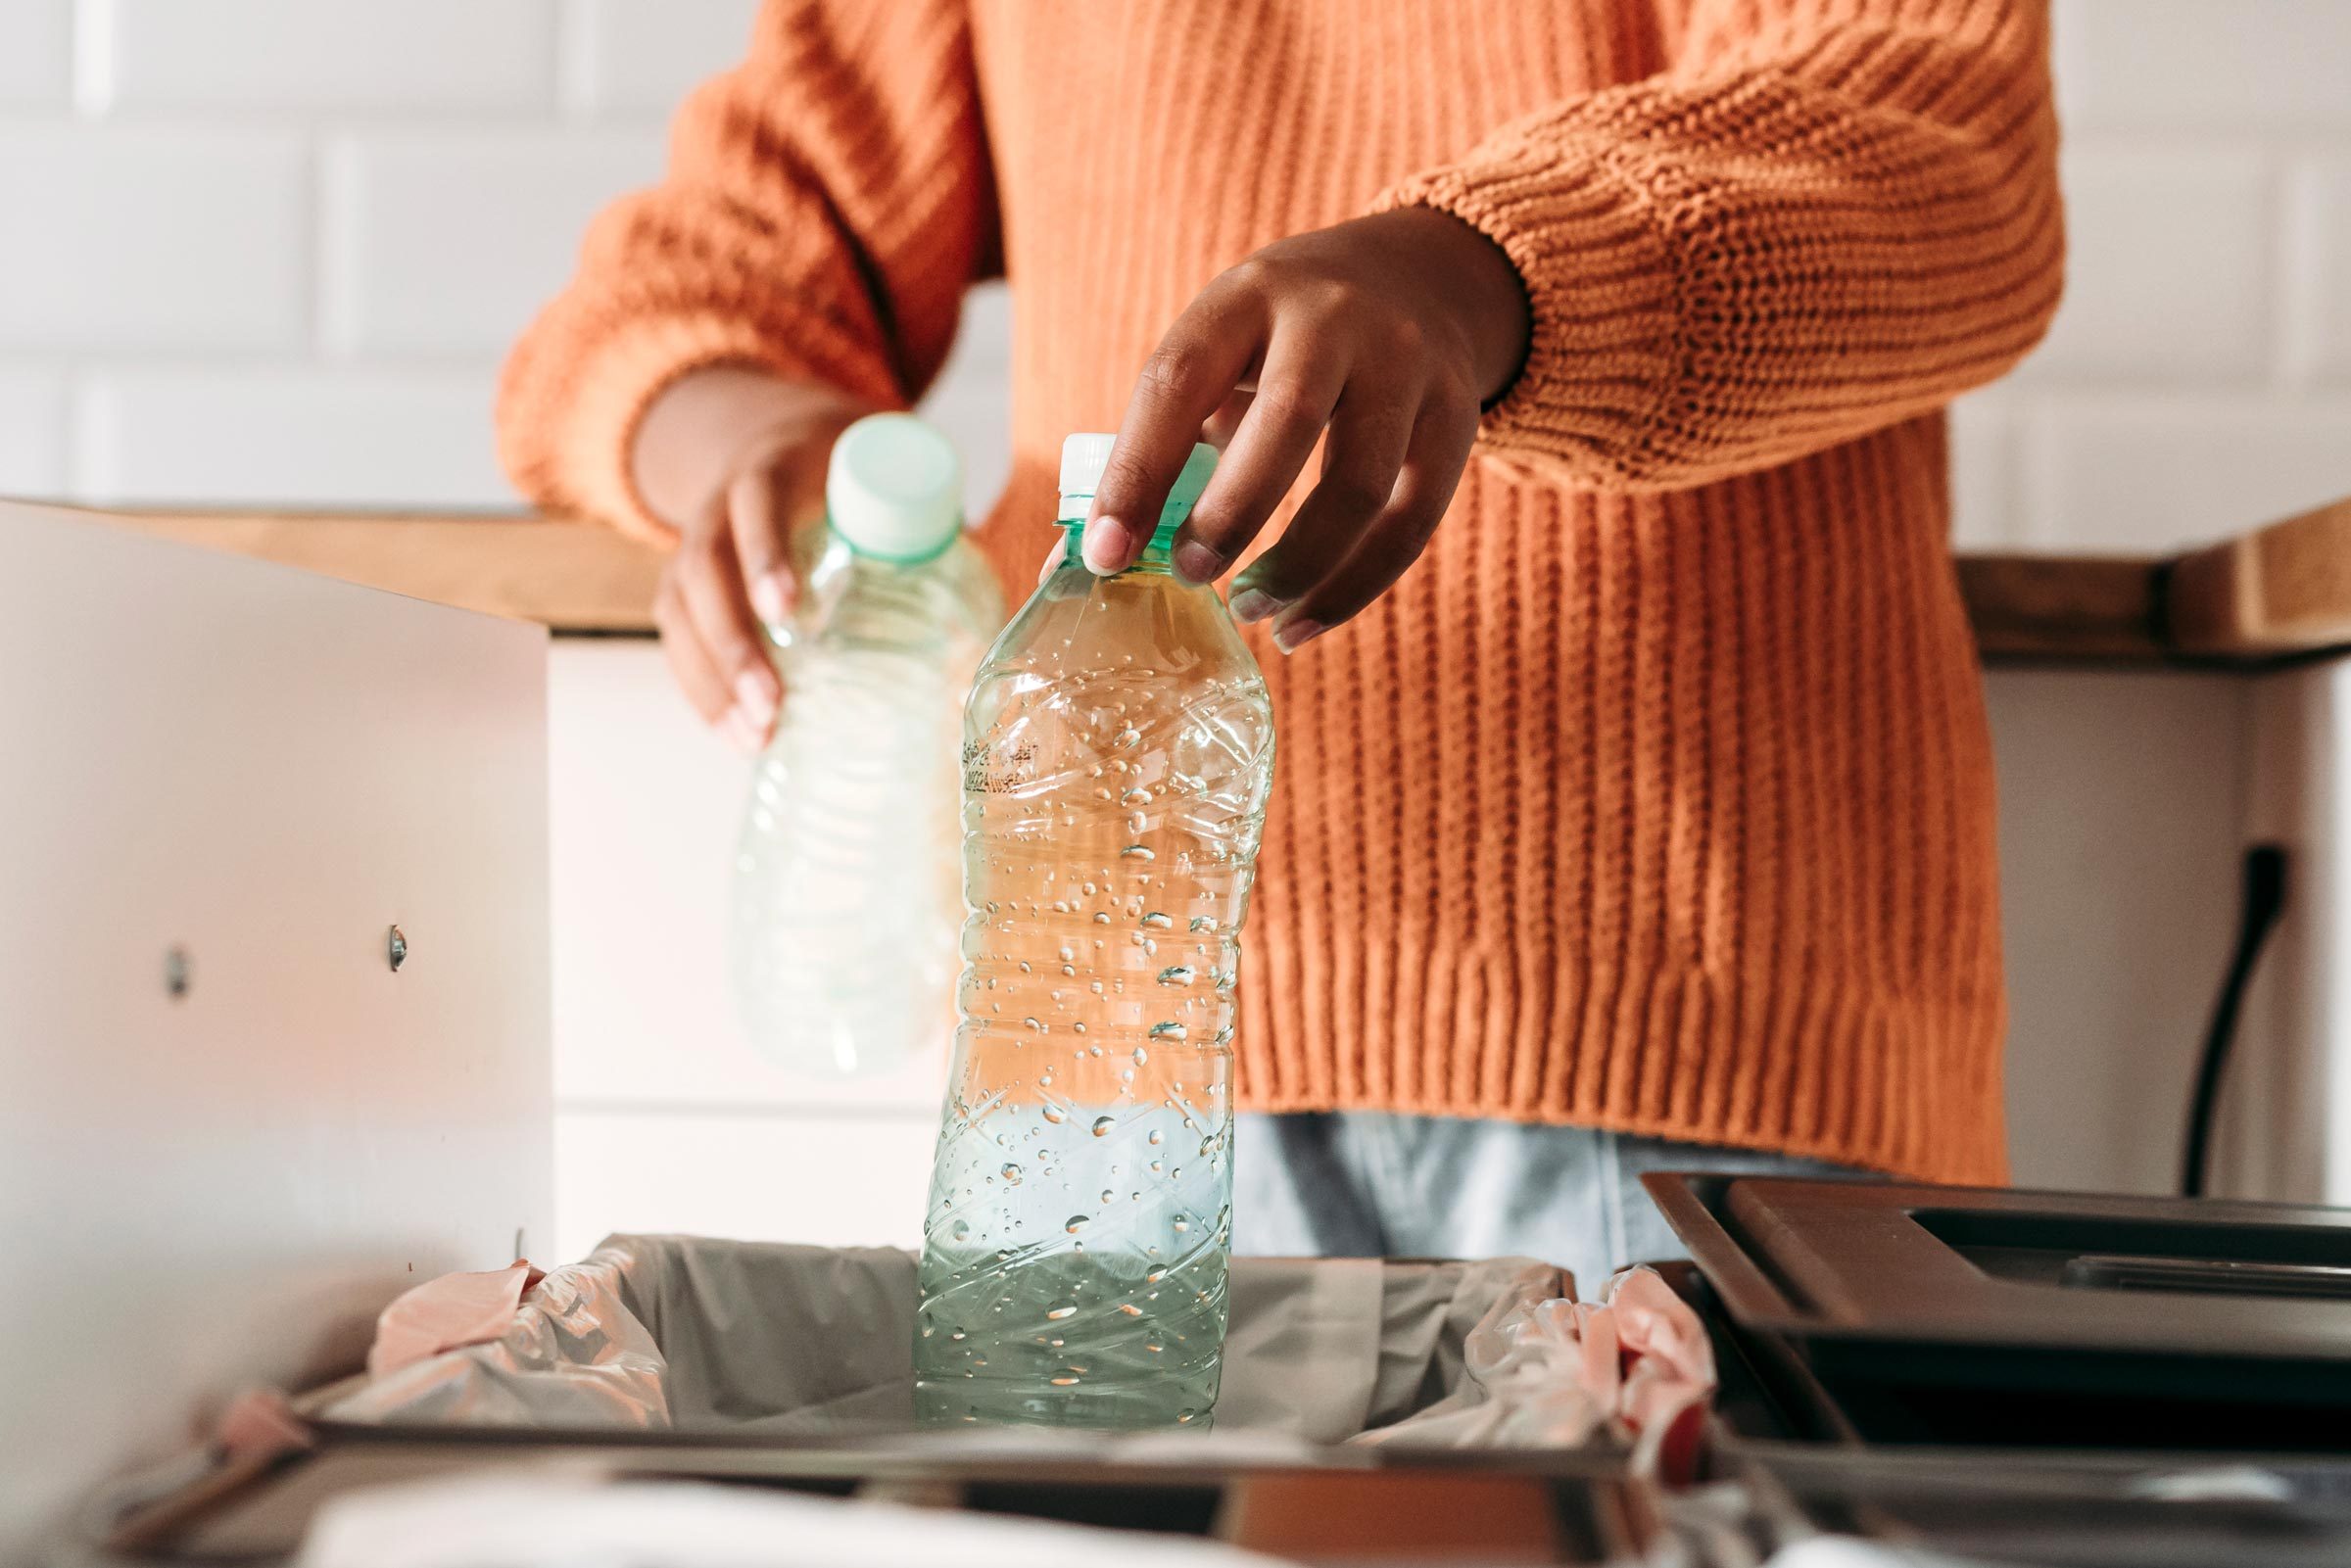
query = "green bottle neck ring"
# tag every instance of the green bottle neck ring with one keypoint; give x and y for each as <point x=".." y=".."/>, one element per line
<point x="1154" y="556"/>
<point x="1072" y="521"/>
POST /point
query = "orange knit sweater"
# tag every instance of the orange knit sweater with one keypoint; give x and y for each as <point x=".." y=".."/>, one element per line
<point x="1658" y="795"/>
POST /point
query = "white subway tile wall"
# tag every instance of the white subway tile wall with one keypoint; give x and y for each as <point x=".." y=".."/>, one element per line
<point x="222" y="208"/>
<point x="403" y="56"/>
<point x="128" y="240"/>
<point x="644" y="54"/>
<point x="32" y="432"/>
<point x="379" y="439"/>
<point x="2171" y="273"/>
<point x="2110" y="474"/>
<point x="2235" y="65"/>
<point x="2320" y="290"/>
<point x="37" y="57"/>
<point x="437" y="244"/>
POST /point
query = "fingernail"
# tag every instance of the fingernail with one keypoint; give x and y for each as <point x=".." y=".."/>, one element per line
<point x="1105" y="549"/>
<point x="1195" y="562"/>
<point x="771" y="599"/>
<point x="1291" y="636"/>
<point x="740" y="733"/>
<point x="755" y="698"/>
<point x="1252" y="604"/>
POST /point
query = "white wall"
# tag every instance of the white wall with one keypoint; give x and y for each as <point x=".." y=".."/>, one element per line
<point x="269" y="251"/>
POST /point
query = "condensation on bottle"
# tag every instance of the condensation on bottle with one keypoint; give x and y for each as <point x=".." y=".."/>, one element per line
<point x="1118" y="752"/>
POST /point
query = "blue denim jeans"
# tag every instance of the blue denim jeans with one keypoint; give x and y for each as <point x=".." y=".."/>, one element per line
<point x="1372" y="1184"/>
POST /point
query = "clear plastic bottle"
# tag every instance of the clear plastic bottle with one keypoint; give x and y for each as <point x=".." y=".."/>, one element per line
<point x="1117" y="750"/>
<point x="845" y="896"/>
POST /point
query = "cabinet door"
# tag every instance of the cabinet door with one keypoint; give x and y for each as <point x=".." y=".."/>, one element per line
<point x="666" y="1116"/>
<point x="229" y="1131"/>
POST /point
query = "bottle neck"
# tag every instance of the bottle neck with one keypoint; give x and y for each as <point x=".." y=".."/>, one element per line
<point x="1153" y="561"/>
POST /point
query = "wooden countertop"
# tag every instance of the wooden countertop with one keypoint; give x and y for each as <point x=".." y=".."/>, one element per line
<point x="2278" y="591"/>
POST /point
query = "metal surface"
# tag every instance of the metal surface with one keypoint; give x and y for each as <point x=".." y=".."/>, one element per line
<point x="1940" y="1315"/>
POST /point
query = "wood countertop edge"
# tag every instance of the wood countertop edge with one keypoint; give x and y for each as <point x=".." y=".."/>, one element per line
<point x="2276" y="593"/>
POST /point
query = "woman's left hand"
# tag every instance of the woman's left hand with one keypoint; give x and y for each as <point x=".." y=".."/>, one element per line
<point x="1388" y="333"/>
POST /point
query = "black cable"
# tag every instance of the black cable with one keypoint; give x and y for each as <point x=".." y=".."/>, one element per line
<point x="2264" y="902"/>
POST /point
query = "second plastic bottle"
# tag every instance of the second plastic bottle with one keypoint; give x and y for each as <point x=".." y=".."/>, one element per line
<point x="845" y="908"/>
<point x="1118" y="752"/>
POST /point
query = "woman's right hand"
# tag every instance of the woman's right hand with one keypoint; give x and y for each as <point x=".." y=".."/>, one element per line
<point x="735" y="459"/>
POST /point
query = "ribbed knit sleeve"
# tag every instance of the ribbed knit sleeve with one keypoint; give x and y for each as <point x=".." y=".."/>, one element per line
<point x="827" y="205"/>
<point x="1825" y="216"/>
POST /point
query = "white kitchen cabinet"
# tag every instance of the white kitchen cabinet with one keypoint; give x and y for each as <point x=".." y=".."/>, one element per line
<point x="229" y="1131"/>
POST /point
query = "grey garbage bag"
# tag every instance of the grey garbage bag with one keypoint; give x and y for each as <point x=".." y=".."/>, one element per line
<point x="697" y="1334"/>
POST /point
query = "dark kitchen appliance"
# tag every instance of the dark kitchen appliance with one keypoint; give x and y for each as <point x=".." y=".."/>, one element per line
<point x="2025" y="1376"/>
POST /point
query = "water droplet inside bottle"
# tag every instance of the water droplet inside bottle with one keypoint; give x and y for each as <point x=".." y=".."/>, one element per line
<point x="1158" y="921"/>
<point x="1158" y="1136"/>
<point x="1076" y="1223"/>
<point x="1141" y="1055"/>
<point x="1101" y="916"/>
<point x="1059" y="1313"/>
<point x="1179" y="1223"/>
<point x="1130" y="1309"/>
<point x="1175" y="974"/>
<point x="961" y="1230"/>
<point x="1012" y="1175"/>
<point x="1108" y="1196"/>
<point x="1103" y="1124"/>
<point x="1169" y="1031"/>
<point x="1182" y="1417"/>
<point x="1136" y="852"/>
<point x="1039" y="1024"/>
<point x="1055" y="1114"/>
<point x="1200" y="923"/>
<point x="1129" y="736"/>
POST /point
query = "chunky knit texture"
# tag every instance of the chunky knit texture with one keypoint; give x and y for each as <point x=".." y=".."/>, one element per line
<point x="1658" y="795"/>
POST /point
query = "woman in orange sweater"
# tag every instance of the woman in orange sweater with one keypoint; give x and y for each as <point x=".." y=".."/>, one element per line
<point x="1639" y="796"/>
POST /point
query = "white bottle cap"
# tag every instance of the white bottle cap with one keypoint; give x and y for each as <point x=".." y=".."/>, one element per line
<point x="894" y="488"/>
<point x="1084" y="456"/>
